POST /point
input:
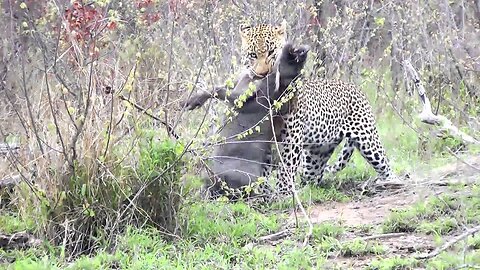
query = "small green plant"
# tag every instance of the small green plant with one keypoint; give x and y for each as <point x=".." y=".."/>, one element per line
<point x="301" y="258"/>
<point x="12" y="223"/>
<point x="46" y="263"/>
<point x="440" y="226"/>
<point x="451" y="260"/>
<point x="160" y="187"/>
<point x="395" y="263"/>
<point x="448" y="143"/>
<point x="221" y="222"/>
<point x="310" y="194"/>
<point x="365" y="228"/>
<point x="326" y="229"/>
<point x="358" y="247"/>
<point x="321" y="195"/>
<point x="474" y="242"/>
<point x="433" y="209"/>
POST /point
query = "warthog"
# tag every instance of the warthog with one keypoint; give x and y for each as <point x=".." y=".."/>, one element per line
<point x="238" y="162"/>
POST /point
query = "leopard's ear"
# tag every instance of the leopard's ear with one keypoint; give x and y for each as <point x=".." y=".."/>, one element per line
<point x="282" y="29"/>
<point x="244" y="29"/>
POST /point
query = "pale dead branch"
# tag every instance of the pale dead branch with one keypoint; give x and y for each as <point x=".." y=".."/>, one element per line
<point x="275" y="236"/>
<point x="427" y="116"/>
<point x="270" y="238"/>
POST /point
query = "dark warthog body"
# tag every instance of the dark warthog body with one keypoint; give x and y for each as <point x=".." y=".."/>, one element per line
<point x="240" y="161"/>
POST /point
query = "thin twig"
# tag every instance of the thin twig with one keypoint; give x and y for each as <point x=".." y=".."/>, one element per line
<point x="450" y="243"/>
<point x="296" y="198"/>
<point x="143" y="110"/>
<point x="169" y="75"/>
<point x="461" y="160"/>
<point x="467" y="266"/>
<point x="29" y="108"/>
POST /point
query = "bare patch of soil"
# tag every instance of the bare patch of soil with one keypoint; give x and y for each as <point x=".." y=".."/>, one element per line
<point x="372" y="211"/>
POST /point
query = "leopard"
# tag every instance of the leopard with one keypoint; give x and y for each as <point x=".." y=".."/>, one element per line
<point x="324" y="113"/>
<point x="240" y="161"/>
<point x="261" y="45"/>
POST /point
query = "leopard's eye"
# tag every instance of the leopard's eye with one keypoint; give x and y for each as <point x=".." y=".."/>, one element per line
<point x="252" y="55"/>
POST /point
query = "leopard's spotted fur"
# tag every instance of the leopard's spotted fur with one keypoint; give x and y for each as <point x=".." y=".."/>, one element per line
<point x="325" y="113"/>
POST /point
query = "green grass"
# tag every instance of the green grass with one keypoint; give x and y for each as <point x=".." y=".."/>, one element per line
<point x="326" y="229"/>
<point x="474" y="242"/>
<point x="358" y="247"/>
<point x="352" y="248"/>
<point x="145" y="249"/>
<point x="219" y="235"/>
<point x="12" y="222"/>
<point x="232" y="223"/>
<point x="452" y="260"/>
<point x="394" y="263"/>
<point x="312" y="195"/>
<point x="438" y="215"/>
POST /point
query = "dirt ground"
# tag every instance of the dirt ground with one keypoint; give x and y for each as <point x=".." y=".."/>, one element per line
<point x="373" y="210"/>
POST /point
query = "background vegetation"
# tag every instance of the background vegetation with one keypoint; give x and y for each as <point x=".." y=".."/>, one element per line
<point x="97" y="177"/>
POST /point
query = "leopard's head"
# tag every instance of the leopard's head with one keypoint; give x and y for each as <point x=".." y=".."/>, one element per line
<point x="261" y="45"/>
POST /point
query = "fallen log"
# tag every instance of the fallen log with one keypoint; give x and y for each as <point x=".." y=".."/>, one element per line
<point x="18" y="240"/>
<point x="6" y="148"/>
<point x="9" y="182"/>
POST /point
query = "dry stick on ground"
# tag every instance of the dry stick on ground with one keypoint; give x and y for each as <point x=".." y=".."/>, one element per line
<point x="427" y="115"/>
<point x="276" y="236"/>
<point x="467" y="266"/>
<point x="463" y="161"/>
<point x="381" y="236"/>
<point x="271" y="237"/>
<point x="450" y="243"/>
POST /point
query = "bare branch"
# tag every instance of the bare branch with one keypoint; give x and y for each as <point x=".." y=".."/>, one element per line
<point x="450" y="243"/>
<point x="427" y="115"/>
<point x="381" y="236"/>
<point x="169" y="75"/>
<point x="169" y="127"/>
